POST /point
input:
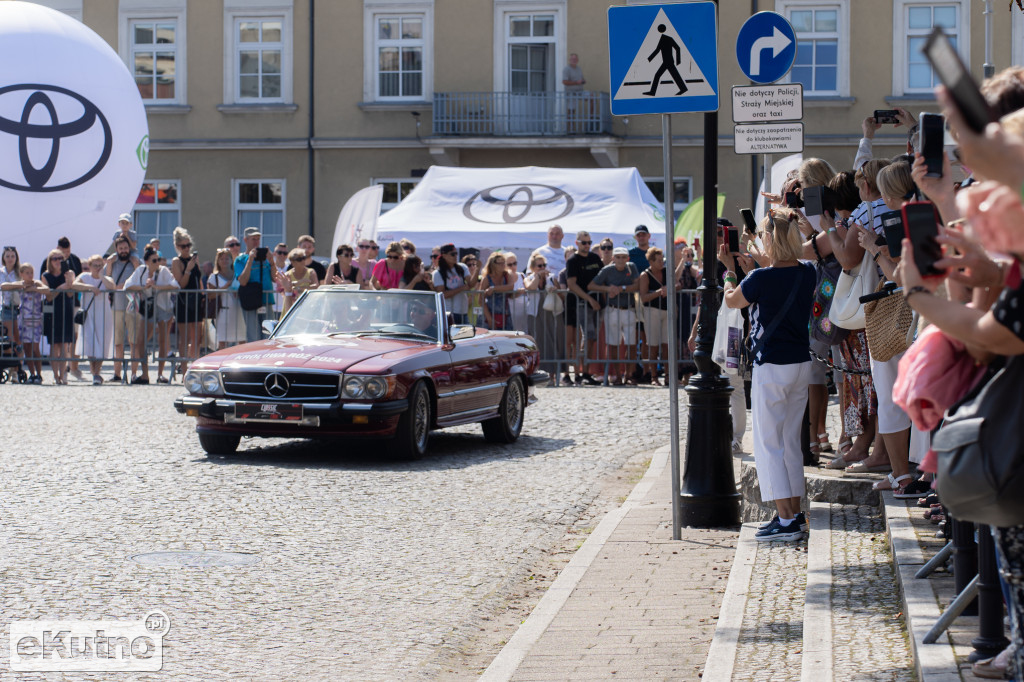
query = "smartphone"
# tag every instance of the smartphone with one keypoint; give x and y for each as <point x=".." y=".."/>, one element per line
<point x="954" y="75"/>
<point x="933" y="130"/>
<point x="731" y="236"/>
<point x="892" y="226"/>
<point x="748" y="221"/>
<point x="793" y="200"/>
<point x="261" y="252"/>
<point x="921" y="226"/>
<point x="886" y="116"/>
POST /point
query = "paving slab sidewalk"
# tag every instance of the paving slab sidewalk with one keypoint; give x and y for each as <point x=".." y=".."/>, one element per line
<point x="633" y="603"/>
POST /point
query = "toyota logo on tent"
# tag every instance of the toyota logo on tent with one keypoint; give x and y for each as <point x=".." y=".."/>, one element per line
<point x="518" y="203"/>
<point x="277" y="385"/>
<point x="50" y="117"/>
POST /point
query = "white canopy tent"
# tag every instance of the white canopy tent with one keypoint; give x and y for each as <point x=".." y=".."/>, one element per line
<point x="512" y="208"/>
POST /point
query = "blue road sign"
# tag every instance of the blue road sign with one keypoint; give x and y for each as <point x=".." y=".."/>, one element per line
<point x="766" y="47"/>
<point x="663" y="59"/>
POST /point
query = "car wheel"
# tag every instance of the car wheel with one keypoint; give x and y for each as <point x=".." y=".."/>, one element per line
<point x="414" y="425"/>
<point x="506" y="427"/>
<point x="218" y="443"/>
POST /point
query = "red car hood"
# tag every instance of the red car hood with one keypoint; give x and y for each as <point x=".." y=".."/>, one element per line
<point x="313" y="352"/>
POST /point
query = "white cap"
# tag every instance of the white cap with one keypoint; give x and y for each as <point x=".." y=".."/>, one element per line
<point x="620" y="251"/>
<point x="124" y="217"/>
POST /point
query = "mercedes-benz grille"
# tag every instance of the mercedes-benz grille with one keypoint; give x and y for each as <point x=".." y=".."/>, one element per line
<point x="286" y="385"/>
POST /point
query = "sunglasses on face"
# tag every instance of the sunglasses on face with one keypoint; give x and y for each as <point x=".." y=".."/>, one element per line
<point x="435" y="256"/>
<point x="343" y="254"/>
<point x="581" y="243"/>
<point x="374" y="247"/>
<point x="511" y="262"/>
<point x="56" y="258"/>
<point x="186" y="245"/>
<point x="153" y="260"/>
<point x="392" y="256"/>
<point x="281" y="253"/>
<point x="363" y="246"/>
<point x="234" y="245"/>
<point x="606" y="247"/>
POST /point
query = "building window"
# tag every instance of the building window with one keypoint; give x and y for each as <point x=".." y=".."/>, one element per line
<point x="529" y="54"/>
<point x="154" y="58"/>
<point x="157" y="213"/>
<point x="399" y="44"/>
<point x="681" y="198"/>
<point x="258" y="52"/>
<point x="260" y="203"/>
<point x="400" y="56"/>
<point x="258" y="55"/>
<point x="912" y="22"/>
<point x="822" y="52"/>
<point x="395" y="189"/>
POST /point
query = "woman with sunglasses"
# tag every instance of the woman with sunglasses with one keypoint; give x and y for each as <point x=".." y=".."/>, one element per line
<point x="365" y="260"/>
<point x="224" y="285"/>
<point x="387" y="274"/>
<point x="518" y="301"/>
<point x="59" y="324"/>
<point x="343" y="271"/>
<point x="497" y="286"/>
<point x="604" y="250"/>
<point x="149" y="302"/>
<point x="300" y="278"/>
<point x="547" y="328"/>
<point x="451" y="278"/>
<point x="190" y="304"/>
<point x="97" y="328"/>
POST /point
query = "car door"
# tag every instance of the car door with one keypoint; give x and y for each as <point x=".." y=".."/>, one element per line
<point x="477" y="381"/>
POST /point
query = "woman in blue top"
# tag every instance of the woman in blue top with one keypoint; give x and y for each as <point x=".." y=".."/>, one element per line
<point x="780" y="297"/>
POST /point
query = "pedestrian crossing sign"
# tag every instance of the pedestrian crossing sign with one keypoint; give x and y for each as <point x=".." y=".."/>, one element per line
<point x="663" y="59"/>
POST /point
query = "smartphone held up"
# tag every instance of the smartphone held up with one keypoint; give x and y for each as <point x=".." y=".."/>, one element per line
<point x="921" y="226"/>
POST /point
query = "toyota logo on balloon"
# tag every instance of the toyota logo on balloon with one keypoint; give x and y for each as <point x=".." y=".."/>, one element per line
<point x="73" y="133"/>
<point x="518" y="203"/>
<point x="52" y="132"/>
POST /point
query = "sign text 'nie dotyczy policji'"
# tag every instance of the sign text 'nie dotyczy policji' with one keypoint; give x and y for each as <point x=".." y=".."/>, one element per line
<point x="769" y="138"/>
<point x="663" y="59"/>
<point x="763" y="103"/>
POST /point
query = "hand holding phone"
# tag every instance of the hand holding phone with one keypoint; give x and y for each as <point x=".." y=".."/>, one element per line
<point x="933" y="131"/>
<point x="887" y="116"/>
<point x="921" y="226"/>
<point x="954" y="75"/>
<point x="748" y="221"/>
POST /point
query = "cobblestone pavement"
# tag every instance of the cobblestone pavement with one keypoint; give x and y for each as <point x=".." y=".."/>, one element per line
<point x="367" y="569"/>
<point x="771" y="637"/>
<point x="869" y="636"/>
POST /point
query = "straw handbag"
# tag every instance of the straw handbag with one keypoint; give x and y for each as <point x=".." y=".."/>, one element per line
<point x="887" y="324"/>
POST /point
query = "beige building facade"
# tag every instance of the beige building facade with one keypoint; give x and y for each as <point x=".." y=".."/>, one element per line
<point x="274" y="112"/>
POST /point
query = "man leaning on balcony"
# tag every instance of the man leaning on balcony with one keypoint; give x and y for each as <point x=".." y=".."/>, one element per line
<point x="575" y="98"/>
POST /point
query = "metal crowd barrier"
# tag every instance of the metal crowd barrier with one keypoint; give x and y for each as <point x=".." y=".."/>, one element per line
<point x="170" y="329"/>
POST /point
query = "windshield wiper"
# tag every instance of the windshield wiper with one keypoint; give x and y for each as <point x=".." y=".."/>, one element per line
<point x="379" y="332"/>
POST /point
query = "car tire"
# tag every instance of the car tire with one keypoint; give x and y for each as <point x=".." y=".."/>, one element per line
<point x="506" y="427"/>
<point x="219" y="443"/>
<point x="413" y="434"/>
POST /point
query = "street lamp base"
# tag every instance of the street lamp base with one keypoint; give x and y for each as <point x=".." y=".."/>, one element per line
<point x="708" y="498"/>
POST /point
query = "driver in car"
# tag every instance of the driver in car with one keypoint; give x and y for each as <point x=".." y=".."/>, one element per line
<point x="423" y="318"/>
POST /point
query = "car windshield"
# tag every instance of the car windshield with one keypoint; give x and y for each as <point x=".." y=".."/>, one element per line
<point x="330" y="310"/>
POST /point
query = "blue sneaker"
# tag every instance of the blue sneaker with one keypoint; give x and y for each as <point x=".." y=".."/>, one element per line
<point x="800" y="519"/>
<point x="776" y="531"/>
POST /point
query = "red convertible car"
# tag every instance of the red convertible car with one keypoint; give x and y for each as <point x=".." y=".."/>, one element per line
<point x="351" y="363"/>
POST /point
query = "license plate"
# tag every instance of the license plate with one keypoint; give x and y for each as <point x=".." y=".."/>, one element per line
<point x="272" y="412"/>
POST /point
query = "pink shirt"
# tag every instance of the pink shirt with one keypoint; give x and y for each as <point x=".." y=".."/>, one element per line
<point x="388" y="278"/>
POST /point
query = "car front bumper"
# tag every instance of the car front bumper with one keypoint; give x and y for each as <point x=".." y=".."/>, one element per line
<point x="217" y="415"/>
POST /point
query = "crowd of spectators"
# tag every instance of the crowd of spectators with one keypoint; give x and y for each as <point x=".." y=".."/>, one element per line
<point x="586" y="308"/>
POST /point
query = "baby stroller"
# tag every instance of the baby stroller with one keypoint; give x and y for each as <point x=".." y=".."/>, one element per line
<point x="10" y="365"/>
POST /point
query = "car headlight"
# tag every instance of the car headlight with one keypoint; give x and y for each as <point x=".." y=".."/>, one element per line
<point x="203" y="382"/>
<point x="358" y="387"/>
<point x="211" y="382"/>
<point x="193" y="382"/>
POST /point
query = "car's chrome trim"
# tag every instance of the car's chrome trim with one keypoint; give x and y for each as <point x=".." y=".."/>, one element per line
<point x="475" y="389"/>
<point x="305" y="421"/>
<point x="467" y="413"/>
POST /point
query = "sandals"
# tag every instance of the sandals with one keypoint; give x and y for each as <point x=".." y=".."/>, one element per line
<point x="890" y="483"/>
<point x="823" y="442"/>
<point x="845" y="446"/>
<point x="838" y="463"/>
<point x="862" y="467"/>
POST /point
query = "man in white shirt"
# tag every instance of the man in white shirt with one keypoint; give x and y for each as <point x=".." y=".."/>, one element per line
<point x="553" y="251"/>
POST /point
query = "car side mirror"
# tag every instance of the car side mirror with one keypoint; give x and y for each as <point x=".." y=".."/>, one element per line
<point x="462" y="331"/>
<point x="269" y="326"/>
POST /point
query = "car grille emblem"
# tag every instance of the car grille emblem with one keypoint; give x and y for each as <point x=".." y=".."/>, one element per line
<point x="276" y="384"/>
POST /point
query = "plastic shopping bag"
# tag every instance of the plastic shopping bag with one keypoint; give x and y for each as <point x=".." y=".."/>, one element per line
<point x="728" y="339"/>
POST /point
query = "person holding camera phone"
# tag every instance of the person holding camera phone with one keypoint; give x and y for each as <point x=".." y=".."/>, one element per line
<point x="870" y="125"/>
<point x="262" y="272"/>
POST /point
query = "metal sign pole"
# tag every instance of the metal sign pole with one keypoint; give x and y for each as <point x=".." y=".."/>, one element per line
<point x="673" y="350"/>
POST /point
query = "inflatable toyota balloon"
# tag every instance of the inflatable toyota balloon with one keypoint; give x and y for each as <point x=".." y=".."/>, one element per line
<point x="74" y="142"/>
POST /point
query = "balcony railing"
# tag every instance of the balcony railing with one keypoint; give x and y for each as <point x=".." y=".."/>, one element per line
<point x="521" y="113"/>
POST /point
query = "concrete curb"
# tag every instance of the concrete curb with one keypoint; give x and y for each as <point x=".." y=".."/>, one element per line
<point x="722" y="653"/>
<point x="935" y="662"/>
<point x="816" y="663"/>
<point x="505" y="664"/>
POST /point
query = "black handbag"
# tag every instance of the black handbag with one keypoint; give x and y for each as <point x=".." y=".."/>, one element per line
<point x="981" y="454"/>
<point x="83" y="313"/>
<point x="250" y="294"/>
